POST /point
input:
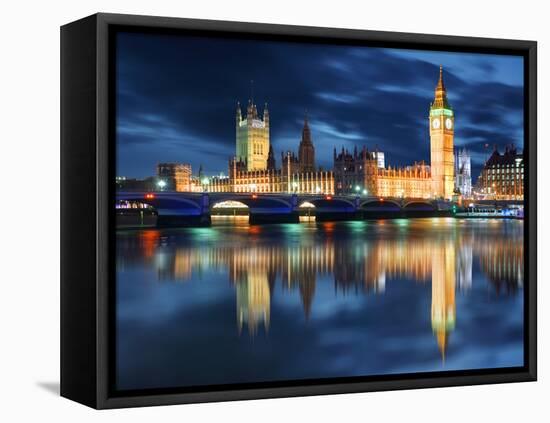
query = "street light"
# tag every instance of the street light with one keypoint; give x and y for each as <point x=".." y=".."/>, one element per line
<point x="357" y="188"/>
<point x="161" y="184"/>
<point x="365" y="192"/>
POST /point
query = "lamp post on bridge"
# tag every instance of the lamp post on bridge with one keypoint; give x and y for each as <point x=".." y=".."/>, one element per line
<point x="205" y="182"/>
<point x="161" y="184"/>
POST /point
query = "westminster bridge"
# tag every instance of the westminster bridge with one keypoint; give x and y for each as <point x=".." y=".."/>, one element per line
<point x="190" y="208"/>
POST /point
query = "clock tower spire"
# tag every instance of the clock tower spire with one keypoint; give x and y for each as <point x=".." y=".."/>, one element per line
<point x="442" y="142"/>
<point x="440" y="100"/>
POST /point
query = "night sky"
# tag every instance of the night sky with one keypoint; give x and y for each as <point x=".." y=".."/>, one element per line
<point x="177" y="96"/>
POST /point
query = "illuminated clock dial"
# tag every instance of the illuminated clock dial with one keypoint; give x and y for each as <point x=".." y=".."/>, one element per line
<point x="436" y="123"/>
<point x="448" y="123"/>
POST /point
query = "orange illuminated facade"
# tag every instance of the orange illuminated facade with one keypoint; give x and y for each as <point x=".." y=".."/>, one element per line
<point x="176" y="176"/>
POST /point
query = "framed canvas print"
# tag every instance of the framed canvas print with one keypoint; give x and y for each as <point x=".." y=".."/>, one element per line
<point x="255" y="211"/>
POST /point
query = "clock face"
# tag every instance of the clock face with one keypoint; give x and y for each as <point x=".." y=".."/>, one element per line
<point x="448" y="123"/>
<point x="436" y="123"/>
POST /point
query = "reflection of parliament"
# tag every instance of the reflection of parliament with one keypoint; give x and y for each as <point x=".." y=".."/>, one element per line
<point x="254" y="168"/>
<point x="356" y="268"/>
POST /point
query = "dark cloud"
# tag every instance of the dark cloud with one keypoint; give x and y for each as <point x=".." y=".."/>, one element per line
<point x="177" y="98"/>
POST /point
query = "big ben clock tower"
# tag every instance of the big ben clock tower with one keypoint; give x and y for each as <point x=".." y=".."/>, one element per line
<point x="441" y="142"/>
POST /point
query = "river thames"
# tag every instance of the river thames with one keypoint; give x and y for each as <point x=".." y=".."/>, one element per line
<point x="238" y="303"/>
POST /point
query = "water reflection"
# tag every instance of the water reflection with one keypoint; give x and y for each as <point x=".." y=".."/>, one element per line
<point x="360" y="258"/>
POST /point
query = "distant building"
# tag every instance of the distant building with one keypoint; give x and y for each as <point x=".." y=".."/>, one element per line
<point x="502" y="176"/>
<point x="174" y="176"/>
<point x="463" y="173"/>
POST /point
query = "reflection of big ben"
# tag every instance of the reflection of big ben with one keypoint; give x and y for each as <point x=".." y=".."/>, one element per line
<point x="443" y="294"/>
<point x="441" y="142"/>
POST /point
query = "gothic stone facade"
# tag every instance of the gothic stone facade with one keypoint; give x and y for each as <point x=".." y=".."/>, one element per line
<point x="360" y="173"/>
<point x="463" y="173"/>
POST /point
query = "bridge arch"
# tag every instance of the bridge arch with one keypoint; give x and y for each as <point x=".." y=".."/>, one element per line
<point x="380" y="204"/>
<point x="419" y="205"/>
<point x="254" y="202"/>
<point x="329" y="203"/>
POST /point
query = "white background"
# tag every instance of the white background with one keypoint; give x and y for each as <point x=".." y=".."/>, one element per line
<point x="29" y="238"/>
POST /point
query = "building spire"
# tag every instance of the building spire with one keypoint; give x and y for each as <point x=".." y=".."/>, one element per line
<point x="306" y="151"/>
<point x="238" y="114"/>
<point x="266" y="115"/>
<point x="271" y="165"/>
<point x="440" y="84"/>
<point x="252" y="91"/>
<point x="306" y="132"/>
<point x="440" y="99"/>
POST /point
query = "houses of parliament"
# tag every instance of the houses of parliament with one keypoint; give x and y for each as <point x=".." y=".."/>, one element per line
<point x="254" y="167"/>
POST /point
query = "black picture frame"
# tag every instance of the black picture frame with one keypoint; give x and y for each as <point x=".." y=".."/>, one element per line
<point x="87" y="210"/>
